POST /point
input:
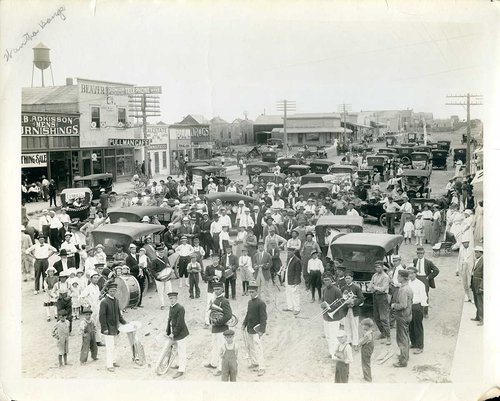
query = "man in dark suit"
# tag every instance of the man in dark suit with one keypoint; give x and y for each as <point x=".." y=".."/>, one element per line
<point x="289" y="223"/>
<point x="104" y="202"/>
<point x="132" y="261"/>
<point x="230" y="264"/>
<point x="109" y="317"/>
<point x="262" y="262"/>
<point x="205" y="238"/>
<point x="477" y="284"/>
<point x="255" y="323"/>
<point x="292" y="281"/>
<point x="257" y="219"/>
<point x="426" y="272"/>
<point x="176" y="327"/>
<point x="219" y="326"/>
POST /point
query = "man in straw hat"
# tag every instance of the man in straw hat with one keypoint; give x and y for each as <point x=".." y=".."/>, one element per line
<point x="41" y="252"/>
<point x="110" y="316"/>
<point x="90" y="298"/>
<point x="379" y="285"/>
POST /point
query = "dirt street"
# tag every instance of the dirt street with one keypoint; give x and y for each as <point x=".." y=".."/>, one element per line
<point x="295" y="348"/>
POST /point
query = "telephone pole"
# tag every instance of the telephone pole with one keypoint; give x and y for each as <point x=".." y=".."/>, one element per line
<point x="285" y="106"/>
<point x="476" y="101"/>
<point x="344" y="108"/>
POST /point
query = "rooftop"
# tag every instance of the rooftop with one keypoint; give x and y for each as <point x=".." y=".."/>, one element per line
<point x="65" y="94"/>
<point x="268" y="120"/>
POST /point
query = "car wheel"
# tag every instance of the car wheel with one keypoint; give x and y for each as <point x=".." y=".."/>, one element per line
<point x="383" y="220"/>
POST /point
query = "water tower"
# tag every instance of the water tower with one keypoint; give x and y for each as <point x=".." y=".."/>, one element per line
<point x="41" y="60"/>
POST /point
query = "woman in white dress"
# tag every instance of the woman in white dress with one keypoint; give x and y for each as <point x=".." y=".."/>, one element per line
<point x="478" y="223"/>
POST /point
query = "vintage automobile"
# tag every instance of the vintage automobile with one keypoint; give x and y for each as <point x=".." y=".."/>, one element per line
<point x="227" y="197"/>
<point x="269" y="156"/>
<point x="68" y="198"/>
<point x="408" y="144"/>
<point x="378" y="162"/>
<point x="312" y="178"/>
<point x="264" y="178"/>
<point x="419" y="203"/>
<point x="416" y="183"/>
<point x="439" y="158"/>
<point x="460" y="153"/>
<point x="257" y="168"/>
<point x="337" y="225"/>
<point x="95" y="182"/>
<point x="360" y="251"/>
<point x="365" y="176"/>
<point x="390" y="152"/>
<point x="391" y="140"/>
<point x="298" y="169"/>
<point x="415" y="137"/>
<point x="316" y="190"/>
<point x="275" y="142"/>
<point x="285" y="162"/>
<point x="420" y="160"/>
<point x="137" y="213"/>
<point x="344" y="169"/>
<point x="423" y="148"/>
<point x="361" y="148"/>
<point x="190" y="165"/>
<point x="444" y="145"/>
<point x="124" y="234"/>
<point x="404" y="154"/>
<point x="202" y="174"/>
<point x="320" y="166"/>
<point x="373" y="208"/>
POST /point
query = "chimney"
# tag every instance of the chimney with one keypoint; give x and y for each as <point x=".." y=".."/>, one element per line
<point x="69" y="81"/>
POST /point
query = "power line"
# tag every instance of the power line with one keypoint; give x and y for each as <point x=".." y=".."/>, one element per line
<point x="476" y="102"/>
<point x="285" y="106"/>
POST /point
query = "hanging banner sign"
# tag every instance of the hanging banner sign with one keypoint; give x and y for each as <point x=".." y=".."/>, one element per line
<point x="134" y="90"/>
<point x="34" y="160"/>
<point x="128" y="142"/>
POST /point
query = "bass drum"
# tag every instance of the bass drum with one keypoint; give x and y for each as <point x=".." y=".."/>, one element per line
<point x="128" y="291"/>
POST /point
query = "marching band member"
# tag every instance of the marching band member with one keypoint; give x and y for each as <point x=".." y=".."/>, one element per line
<point x="255" y="325"/>
<point x="213" y="274"/>
<point x="177" y="329"/>
<point x="330" y="302"/>
<point x="351" y="320"/>
<point x="109" y="317"/>
<point x="219" y="326"/>
<point x="184" y="250"/>
<point x="163" y="284"/>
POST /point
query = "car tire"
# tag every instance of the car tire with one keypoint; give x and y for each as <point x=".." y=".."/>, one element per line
<point x="383" y="220"/>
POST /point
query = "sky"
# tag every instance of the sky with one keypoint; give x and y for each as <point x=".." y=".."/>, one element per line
<point x="227" y="60"/>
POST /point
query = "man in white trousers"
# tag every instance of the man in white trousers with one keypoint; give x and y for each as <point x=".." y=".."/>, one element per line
<point x="110" y="316"/>
<point x="222" y="309"/>
<point x="351" y="319"/>
<point x="177" y="329"/>
<point x="465" y="264"/>
<point x="163" y="273"/>
<point x="292" y="280"/>
<point x="331" y="298"/>
<point x="255" y="325"/>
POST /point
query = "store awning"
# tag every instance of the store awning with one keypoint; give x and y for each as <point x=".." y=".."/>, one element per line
<point x="318" y="130"/>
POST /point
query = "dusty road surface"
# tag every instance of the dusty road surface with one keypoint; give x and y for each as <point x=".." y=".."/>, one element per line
<point x="295" y="348"/>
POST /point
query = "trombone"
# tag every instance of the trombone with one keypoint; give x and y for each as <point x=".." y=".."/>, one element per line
<point x="338" y="304"/>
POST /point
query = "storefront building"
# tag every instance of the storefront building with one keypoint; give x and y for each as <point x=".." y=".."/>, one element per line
<point x="158" y="149"/>
<point x="76" y="130"/>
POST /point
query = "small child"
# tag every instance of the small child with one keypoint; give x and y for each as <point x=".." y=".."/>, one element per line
<point x="229" y="357"/>
<point x="75" y="292"/>
<point x="245" y="269"/>
<point x="343" y="357"/>
<point x="82" y="280"/>
<point x="198" y="249"/>
<point x="367" y="346"/>
<point x="61" y="334"/>
<point x="62" y="283"/>
<point x="83" y="256"/>
<point x="194" y="270"/>
<point x="408" y="230"/>
<point x="419" y="229"/>
<point x="88" y="332"/>
<point x="50" y="281"/>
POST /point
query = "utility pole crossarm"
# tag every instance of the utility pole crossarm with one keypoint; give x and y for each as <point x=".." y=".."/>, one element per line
<point x="285" y="106"/>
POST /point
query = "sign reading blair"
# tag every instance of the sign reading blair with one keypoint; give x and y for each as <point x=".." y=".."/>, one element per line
<point x="34" y="160"/>
<point x="50" y="124"/>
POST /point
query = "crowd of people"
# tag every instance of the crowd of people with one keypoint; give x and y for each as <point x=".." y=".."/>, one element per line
<point x="270" y="244"/>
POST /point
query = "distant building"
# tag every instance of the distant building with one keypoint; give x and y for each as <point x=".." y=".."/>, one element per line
<point x="159" y="148"/>
<point x="264" y="125"/>
<point x="313" y="129"/>
<point x="77" y="129"/>
<point x="191" y="137"/>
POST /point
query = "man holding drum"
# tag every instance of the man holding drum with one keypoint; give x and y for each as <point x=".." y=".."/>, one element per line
<point x="221" y="313"/>
<point x="162" y="272"/>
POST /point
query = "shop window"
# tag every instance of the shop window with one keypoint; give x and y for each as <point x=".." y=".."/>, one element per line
<point x="86" y="154"/>
<point x="157" y="162"/>
<point x="74" y="141"/>
<point x="128" y="151"/>
<point x="95" y="117"/>
<point x="164" y="159"/>
<point x="120" y="151"/>
<point x="229" y="134"/>
<point x="122" y="116"/>
<point x="314" y="137"/>
<point x="109" y="152"/>
<point x="34" y="142"/>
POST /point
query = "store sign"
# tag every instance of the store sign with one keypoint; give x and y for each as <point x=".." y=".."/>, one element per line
<point x="157" y="133"/>
<point x="180" y="133"/>
<point x="93" y="89"/>
<point x="50" y="124"/>
<point x="200" y="132"/>
<point x="198" y="181"/>
<point x="128" y="142"/>
<point x="183" y="145"/>
<point x="134" y="90"/>
<point x="34" y="160"/>
<point x="158" y="146"/>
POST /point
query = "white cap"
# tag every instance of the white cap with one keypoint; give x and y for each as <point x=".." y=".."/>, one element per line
<point x="478" y="248"/>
